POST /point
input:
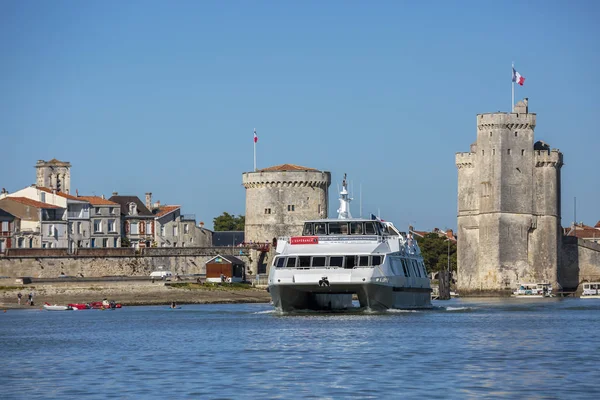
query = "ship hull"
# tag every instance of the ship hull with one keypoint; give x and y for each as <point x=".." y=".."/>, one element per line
<point x="372" y="296"/>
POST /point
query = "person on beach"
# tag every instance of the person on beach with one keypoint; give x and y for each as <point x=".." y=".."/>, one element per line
<point x="30" y="298"/>
<point x="19" y="295"/>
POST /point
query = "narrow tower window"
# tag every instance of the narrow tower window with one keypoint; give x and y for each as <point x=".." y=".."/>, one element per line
<point x="493" y="152"/>
<point x="515" y="134"/>
<point x="483" y="152"/>
<point x="522" y="152"/>
<point x="508" y="151"/>
<point x="490" y="134"/>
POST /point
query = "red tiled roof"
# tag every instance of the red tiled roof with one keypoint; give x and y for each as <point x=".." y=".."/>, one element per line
<point x="286" y="167"/>
<point x="582" y="231"/>
<point x="33" y="203"/>
<point x="61" y="194"/>
<point x="97" y="201"/>
<point x="164" y="210"/>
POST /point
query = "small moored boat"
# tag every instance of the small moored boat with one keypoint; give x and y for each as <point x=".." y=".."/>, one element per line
<point x="50" y="307"/>
<point x="591" y="290"/>
<point x="533" y="290"/>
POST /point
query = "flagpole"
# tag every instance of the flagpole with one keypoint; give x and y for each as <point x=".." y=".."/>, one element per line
<point x="512" y="99"/>
<point x="254" y="141"/>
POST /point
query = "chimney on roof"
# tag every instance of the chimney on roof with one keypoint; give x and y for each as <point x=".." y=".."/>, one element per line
<point x="102" y="197"/>
<point x="115" y="193"/>
<point x="4" y="191"/>
<point x="201" y="225"/>
<point x="149" y="200"/>
<point x="77" y="192"/>
<point x="450" y="233"/>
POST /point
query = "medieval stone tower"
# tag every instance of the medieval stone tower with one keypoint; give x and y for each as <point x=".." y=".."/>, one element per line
<point x="54" y="174"/>
<point x="508" y="205"/>
<point x="279" y="199"/>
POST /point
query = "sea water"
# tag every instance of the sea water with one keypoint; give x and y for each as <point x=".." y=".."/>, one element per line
<point x="513" y="348"/>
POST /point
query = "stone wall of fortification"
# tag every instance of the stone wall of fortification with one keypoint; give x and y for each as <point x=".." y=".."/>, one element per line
<point x="278" y="202"/>
<point x="580" y="262"/>
<point x="508" y="206"/>
<point x="179" y="261"/>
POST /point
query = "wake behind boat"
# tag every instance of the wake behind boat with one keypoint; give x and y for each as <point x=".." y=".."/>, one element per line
<point x="335" y="259"/>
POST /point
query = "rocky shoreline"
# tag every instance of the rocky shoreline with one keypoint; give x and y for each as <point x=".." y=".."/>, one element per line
<point x="129" y="294"/>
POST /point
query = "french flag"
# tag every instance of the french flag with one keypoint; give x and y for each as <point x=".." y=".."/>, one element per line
<point x="517" y="77"/>
<point x="255" y="136"/>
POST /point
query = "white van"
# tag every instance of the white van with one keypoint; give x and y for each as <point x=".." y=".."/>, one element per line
<point x="161" y="274"/>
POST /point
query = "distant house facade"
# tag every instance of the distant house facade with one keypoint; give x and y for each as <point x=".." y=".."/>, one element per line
<point x="137" y="222"/>
<point x="8" y="228"/>
<point x="77" y="215"/>
<point x="174" y="229"/>
<point x="41" y="224"/>
<point x="105" y="222"/>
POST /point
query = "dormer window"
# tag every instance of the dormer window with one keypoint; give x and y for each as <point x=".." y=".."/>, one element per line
<point x="132" y="209"/>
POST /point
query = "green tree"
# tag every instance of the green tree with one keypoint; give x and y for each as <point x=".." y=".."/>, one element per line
<point x="229" y="222"/>
<point x="434" y="249"/>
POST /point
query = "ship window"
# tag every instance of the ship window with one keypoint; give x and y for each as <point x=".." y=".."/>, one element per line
<point x="416" y="268"/>
<point x="280" y="262"/>
<point x="356" y="228"/>
<point x="291" y="262"/>
<point x="404" y="268"/>
<point x="376" y="260"/>
<point x="350" y="262"/>
<point x="304" y="261"/>
<point x="336" y="261"/>
<point x="320" y="229"/>
<point x="370" y="228"/>
<point x="318" y="261"/>
<point x="363" y="261"/>
<point x="335" y="228"/>
<point x="308" y="229"/>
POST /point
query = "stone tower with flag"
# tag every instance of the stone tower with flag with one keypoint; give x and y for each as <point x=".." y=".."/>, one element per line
<point x="509" y="228"/>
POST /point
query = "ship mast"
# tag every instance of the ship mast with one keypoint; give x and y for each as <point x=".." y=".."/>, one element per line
<point x="344" y="210"/>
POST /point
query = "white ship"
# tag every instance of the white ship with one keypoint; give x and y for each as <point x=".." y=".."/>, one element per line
<point x="335" y="259"/>
<point x="533" y="290"/>
<point x="591" y="290"/>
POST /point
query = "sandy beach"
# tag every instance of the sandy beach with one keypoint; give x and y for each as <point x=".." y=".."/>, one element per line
<point x="129" y="294"/>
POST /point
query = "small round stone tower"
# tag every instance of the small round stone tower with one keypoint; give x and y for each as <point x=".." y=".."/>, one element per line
<point x="279" y="199"/>
<point x="54" y="174"/>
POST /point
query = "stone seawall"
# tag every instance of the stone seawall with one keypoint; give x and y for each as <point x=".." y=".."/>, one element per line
<point x="179" y="261"/>
<point x="580" y="262"/>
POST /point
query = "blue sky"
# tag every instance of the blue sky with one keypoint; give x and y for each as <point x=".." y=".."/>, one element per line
<point x="163" y="96"/>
